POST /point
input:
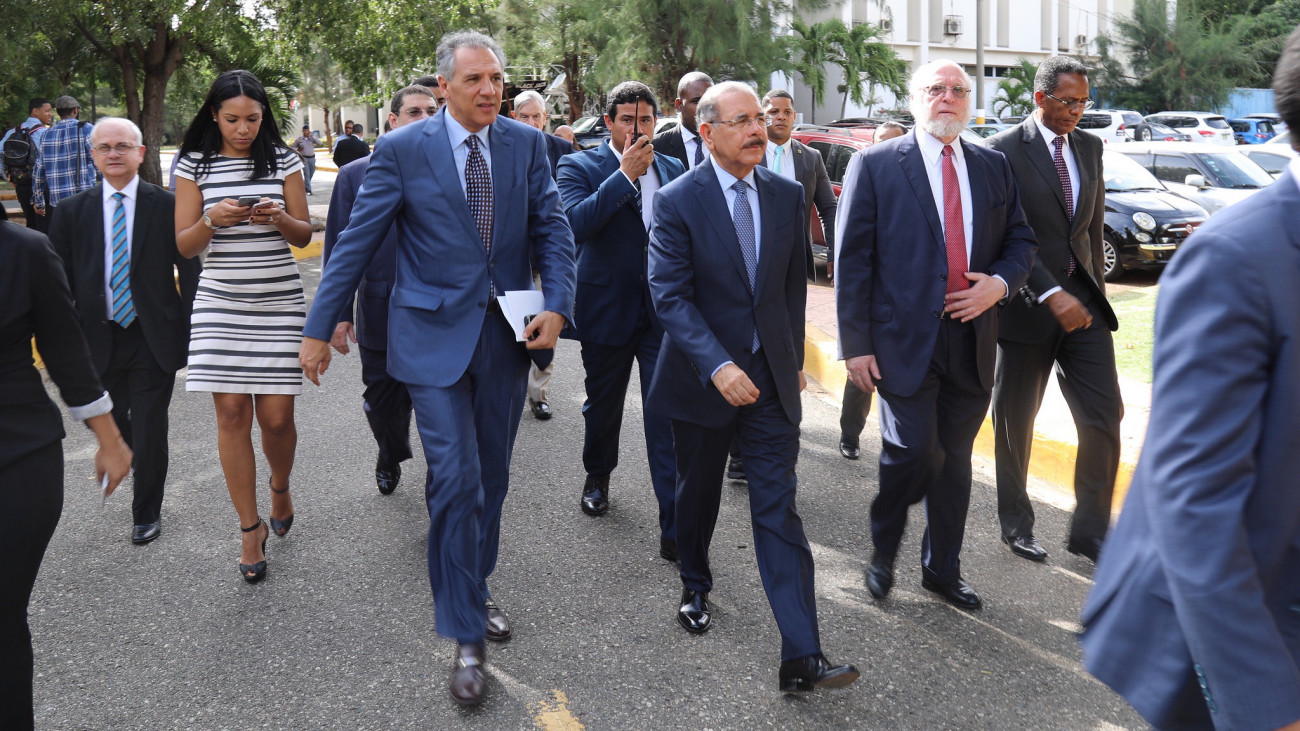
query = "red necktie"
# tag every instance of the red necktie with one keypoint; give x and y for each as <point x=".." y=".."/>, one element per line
<point x="954" y="226"/>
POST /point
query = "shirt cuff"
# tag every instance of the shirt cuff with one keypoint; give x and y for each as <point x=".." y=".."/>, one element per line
<point x="1006" y="288"/>
<point x="724" y="364"/>
<point x="98" y="407"/>
<point x="1043" y="297"/>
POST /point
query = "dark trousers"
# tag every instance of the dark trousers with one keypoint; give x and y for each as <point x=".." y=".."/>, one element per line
<point x="34" y="222"/>
<point x="468" y="431"/>
<point x="142" y="393"/>
<point x="853" y="412"/>
<point x="927" y="441"/>
<point x="388" y="407"/>
<point x="608" y="372"/>
<point x="1085" y="368"/>
<point x="31" y="490"/>
<point x="770" y="445"/>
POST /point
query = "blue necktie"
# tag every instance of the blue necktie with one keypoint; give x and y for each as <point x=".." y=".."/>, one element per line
<point x="743" y="218"/>
<point x="478" y="192"/>
<point x="119" y="282"/>
<point x="699" y="151"/>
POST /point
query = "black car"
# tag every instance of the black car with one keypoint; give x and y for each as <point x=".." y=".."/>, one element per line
<point x="1145" y="223"/>
<point x="590" y="132"/>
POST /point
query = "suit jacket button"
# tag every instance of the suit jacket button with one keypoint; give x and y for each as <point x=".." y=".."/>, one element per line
<point x="944" y="277"/>
<point x="936" y="313"/>
<point x="482" y="305"/>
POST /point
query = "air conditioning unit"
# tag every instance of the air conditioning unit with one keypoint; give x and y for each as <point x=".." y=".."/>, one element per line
<point x="1081" y="40"/>
<point x="887" y="24"/>
<point x="952" y="25"/>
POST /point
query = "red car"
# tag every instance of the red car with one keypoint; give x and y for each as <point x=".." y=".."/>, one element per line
<point x="837" y="145"/>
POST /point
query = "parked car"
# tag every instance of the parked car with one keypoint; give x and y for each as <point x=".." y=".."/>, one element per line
<point x="1251" y="131"/>
<point x="1208" y="175"/>
<point x="589" y="132"/>
<point x="1108" y="124"/>
<point x="1273" y="158"/>
<point x="1202" y="126"/>
<point x="1145" y="223"/>
<point x="988" y="129"/>
<point x="1282" y="138"/>
<point x="836" y="145"/>
<point x="1279" y="125"/>
<point x="1157" y="132"/>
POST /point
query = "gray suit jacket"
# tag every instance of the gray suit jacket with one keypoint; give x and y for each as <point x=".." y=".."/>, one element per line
<point x="1196" y="609"/>
<point x="1043" y="198"/>
<point x="810" y="169"/>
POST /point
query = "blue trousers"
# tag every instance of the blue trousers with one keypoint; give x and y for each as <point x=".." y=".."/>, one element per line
<point x="770" y="445"/>
<point x="468" y="431"/>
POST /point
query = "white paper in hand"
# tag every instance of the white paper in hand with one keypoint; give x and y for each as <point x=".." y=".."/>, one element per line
<point x="519" y="304"/>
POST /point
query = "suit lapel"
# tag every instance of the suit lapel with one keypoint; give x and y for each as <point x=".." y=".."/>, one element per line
<point x="143" y="222"/>
<point x="768" y="252"/>
<point x="437" y="152"/>
<point x="1036" y="149"/>
<point x="97" y="250"/>
<point x="503" y="160"/>
<point x="800" y="161"/>
<point x="1088" y="175"/>
<point x="713" y="200"/>
<point x="913" y="164"/>
<point x="977" y="175"/>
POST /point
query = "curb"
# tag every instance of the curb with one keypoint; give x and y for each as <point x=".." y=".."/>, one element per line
<point x="1052" y="461"/>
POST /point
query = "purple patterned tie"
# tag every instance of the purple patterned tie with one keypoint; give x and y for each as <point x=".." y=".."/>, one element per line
<point x="478" y="192"/>
<point x="1064" y="173"/>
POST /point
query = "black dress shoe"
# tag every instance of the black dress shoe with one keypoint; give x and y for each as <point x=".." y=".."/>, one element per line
<point x="1026" y="547"/>
<point x="541" y="410"/>
<point x="467" y="676"/>
<point x="146" y="532"/>
<point x="736" y="469"/>
<point x="387" y="477"/>
<point x="957" y="592"/>
<point x="595" y="495"/>
<point x="807" y="673"/>
<point x="498" y="627"/>
<point x="849" y="449"/>
<point x="668" y="549"/>
<point x="1089" y="548"/>
<point x="880" y="575"/>
<point x="695" y="614"/>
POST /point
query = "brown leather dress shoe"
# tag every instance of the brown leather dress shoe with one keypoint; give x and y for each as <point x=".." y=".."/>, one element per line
<point x="468" y="679"/>
<point x="498" y="627"/>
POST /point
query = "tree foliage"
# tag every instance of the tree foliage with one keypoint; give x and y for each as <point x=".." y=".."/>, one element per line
<point x="1015" y="94"/>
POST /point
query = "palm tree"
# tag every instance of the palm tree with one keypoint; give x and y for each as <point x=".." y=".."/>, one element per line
<point x="858" y="53"/>
<point x="813" y="47"/>
<point x="1015" y="95"/>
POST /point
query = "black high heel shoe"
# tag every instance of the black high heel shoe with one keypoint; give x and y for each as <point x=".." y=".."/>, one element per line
<point x="281" y="527"/>
<point x="255" y="572"/>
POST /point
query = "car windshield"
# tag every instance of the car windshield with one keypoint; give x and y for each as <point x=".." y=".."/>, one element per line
<point x="1125" y="173"/>
<point x="585" y="124"/>
<point x="1234" y="170"/>
<point x="1272" y="162"/>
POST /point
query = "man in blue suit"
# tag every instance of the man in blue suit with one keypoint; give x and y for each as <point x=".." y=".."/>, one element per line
<point x="932" y="237"/>
<point x="727" y="275"/>
<point x="475" y="206"/>
<point x="387" y="404"/>
<point x="609" y="194"/>
<point x="1195" y="616"/>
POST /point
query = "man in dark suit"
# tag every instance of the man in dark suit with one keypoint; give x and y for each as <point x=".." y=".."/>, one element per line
<point x="473" y="197"/>
<point x="1062" y="316"/>
<point x="119" y="252"/>
<point x="609" y="194"/>
<point x="683" y="141"/>
<point x="387" y="403"/>
<point x="351" y="147"/>
<point x="728" y="281"/>
<point x="1194" y="617"/>
<point x="530" y="108"/>
<point x="931" y="238"/>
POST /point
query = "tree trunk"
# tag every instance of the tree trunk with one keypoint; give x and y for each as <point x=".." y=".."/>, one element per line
<point x="573" y="86"/>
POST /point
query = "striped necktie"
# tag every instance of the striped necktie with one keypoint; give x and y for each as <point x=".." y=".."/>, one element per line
<point x="119" y="282"/>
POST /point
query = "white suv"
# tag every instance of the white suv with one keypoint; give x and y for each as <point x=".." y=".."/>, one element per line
<point x="1111" y="125"/>
<point x="1202" y="126"/>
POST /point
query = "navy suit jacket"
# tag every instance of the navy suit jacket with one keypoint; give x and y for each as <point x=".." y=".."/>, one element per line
<point x="1198" y="587"/>
<point x="371" y="303"/>
<point x="556" y="148"/>
<point x="702" y="294"/>
<point x="612" y="244"/>
<point x="891" y="267"/>
<point x="444" y="271"/>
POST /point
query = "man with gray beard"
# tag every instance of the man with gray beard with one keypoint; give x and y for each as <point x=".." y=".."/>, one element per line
<point x="932" y="237"/>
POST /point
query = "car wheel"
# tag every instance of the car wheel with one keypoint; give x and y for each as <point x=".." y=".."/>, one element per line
<point x="1142" y="133"/>
<point x="1112" y="269"/>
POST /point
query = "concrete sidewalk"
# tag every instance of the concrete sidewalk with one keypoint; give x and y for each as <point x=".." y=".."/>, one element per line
<point x="1055" y="438"/>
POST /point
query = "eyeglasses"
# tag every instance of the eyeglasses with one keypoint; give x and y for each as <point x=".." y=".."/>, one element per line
<point x="938" y="90"/>
<point x="744" y="123"/>
<point x="120" y="148"/>
<point x="1076" y="104"/>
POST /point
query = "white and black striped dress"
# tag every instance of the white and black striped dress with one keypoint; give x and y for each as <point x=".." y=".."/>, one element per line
<point x="250" y="310"/>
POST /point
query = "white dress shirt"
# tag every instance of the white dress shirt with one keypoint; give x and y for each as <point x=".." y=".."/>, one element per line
<point x="692" y="141"/>
<point x="110" y="207"/>
<point x="787" y="159"/>
<point x="458" y="136"/>
<point x="649" y="186"/>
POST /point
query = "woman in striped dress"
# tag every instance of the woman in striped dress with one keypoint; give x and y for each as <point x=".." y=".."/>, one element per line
<point x="240" y="196"/>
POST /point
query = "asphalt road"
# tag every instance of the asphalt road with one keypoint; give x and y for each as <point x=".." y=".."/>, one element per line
<point x="340" y="635"/>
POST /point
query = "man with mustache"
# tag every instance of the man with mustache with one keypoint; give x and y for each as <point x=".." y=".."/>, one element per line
<point x="931" y="238"/>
